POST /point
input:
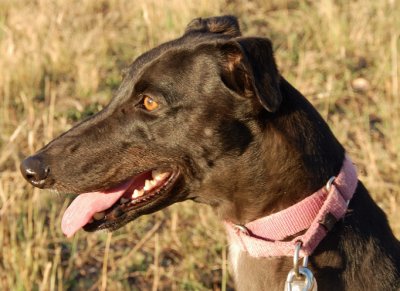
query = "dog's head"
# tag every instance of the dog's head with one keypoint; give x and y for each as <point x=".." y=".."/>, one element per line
<point x="179" y="128"/>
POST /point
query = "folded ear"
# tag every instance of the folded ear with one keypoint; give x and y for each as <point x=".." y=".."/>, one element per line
<point x="227" y="25"/>
<point x="249" y="68"/>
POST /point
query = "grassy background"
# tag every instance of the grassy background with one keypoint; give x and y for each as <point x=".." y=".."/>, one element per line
<point x="61" y="60"/>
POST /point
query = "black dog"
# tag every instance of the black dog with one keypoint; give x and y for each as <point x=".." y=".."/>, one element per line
<point x="208" y="117"/>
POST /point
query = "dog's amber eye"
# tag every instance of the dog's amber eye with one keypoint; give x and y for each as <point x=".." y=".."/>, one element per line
<point x="149" y="103"/>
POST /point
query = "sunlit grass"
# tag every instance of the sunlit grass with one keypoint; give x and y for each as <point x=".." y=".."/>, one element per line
<point x="62" y="60"/>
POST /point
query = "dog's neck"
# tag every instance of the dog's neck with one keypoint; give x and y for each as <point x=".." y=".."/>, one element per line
<point x="299" y="154"/>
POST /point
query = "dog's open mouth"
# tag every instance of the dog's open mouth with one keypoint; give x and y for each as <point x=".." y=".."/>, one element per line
<point x="97" y="210"/>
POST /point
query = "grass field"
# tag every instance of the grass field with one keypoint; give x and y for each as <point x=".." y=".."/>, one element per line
<point x="61" y="60"/>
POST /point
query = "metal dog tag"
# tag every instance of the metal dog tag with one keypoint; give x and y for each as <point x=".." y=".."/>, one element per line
<point x="306" y="281"/>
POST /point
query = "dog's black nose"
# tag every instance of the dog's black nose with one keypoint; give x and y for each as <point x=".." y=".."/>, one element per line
<point x="35" y="171"/>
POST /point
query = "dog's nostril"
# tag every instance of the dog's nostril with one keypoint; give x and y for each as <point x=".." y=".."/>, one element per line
<point x="34" y="170"/>
<point x="30" y="176"/>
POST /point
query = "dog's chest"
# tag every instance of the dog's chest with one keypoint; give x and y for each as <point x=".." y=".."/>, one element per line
<point x="257" y="273"/>
<point x="234" y="256"/>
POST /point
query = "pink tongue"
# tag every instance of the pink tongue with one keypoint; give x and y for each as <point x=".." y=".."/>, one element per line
<point x="86" y="205"/>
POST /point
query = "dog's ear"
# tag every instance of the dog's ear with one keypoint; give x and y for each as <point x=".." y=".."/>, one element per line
<point x="249" y="68"/>
<point x="227" y="25"/>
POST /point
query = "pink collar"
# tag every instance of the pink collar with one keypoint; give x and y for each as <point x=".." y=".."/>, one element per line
<point x="313" y="217"/>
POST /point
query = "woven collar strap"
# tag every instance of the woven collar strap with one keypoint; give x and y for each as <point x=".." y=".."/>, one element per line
<point x="313" y="217"/>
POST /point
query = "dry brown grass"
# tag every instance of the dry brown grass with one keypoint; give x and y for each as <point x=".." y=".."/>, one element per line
<point x="61" y="60"/>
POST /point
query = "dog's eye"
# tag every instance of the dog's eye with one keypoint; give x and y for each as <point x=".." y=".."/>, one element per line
<point x="149" y="103"/>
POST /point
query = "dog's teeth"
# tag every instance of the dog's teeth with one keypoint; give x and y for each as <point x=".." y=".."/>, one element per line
<point x="147" y="185"/>
<point x="137" y="193"/>
<point x="155" y="174"/>
<point x="123" y="200"/>
<point x="99" y="215"/>
<point x="158" y="176"/>
<point x="117" y="212"/>
<point x="162" y="176"/>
